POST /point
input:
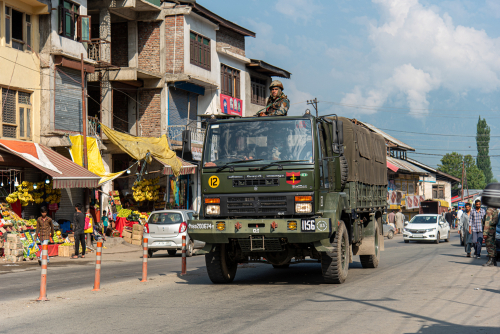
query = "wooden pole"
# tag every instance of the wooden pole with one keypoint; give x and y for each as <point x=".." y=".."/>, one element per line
<point x="84" y="115"/>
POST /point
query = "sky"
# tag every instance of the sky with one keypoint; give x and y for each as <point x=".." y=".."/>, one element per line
<point x="423" y="66"/>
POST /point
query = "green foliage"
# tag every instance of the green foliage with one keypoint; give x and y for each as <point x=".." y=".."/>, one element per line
<point x="451" y="164"/>
<point x="483" y="148"/>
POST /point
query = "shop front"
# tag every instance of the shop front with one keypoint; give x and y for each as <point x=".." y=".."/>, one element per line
<point x="33" y="176"/>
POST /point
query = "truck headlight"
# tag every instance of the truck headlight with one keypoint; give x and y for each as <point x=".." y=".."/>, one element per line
<point x="213" y="210"/>
<point x="303" y="207"/>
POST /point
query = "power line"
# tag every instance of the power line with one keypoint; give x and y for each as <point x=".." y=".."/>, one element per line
<point x="442" y="155"/>
<point x="435" y="134"/>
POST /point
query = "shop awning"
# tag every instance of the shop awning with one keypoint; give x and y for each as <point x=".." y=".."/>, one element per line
<point x="187" y="168"/>
<point x="64" y="172"/>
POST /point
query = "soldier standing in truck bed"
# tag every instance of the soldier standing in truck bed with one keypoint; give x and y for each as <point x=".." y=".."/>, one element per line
<point x="277" y="103"/>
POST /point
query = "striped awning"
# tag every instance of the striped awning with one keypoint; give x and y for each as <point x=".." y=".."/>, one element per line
<point x="64" y="172"/>
<point x="187" y="168"/>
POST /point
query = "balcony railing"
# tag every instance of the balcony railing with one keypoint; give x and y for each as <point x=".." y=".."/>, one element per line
<point x="100" y="51"/>
<point x="94" y="128"/>
<point x="174" y="134"/>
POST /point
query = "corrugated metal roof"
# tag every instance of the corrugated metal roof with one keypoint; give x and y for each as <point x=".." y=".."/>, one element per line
<point x="388" y="137"/>
<point x="406" y="166"/>
<point x="187" y="168"/>
<point x="418" y="163"/>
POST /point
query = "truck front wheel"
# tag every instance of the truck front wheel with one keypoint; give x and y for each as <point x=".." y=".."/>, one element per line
<point x="219" y="266"/>
<point x="336" y="264"/>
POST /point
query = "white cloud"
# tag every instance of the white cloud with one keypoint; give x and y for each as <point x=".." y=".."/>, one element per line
<point x="298" y="98"/>
<point x="298" y="10"/>
<point x="418" y="50"/>
<point x="265" y="45"/>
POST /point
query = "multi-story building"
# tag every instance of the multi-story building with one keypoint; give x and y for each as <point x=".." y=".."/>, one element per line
<point x="20" y="71"/>
<point x="163" y="64"/>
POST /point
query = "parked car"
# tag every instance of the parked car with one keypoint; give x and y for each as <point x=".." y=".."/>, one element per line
<point x="427" y="227"/>
<point x="388" y="231"/>
<point x="164" y="231"/>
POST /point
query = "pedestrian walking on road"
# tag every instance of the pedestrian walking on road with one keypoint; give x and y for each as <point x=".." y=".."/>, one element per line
<point x="490" y="228"/>
<point x="454" y="218"/>
<point x="390" y="218"/>
<point x="79" y="227"/>
<point x="89" y="228"/>
<point x="449" y="218"/>
<point x="44" y="230"/>
<point x="465" y="229"/>
<point x="476" y="222"/>
<point x="399" y="219"/>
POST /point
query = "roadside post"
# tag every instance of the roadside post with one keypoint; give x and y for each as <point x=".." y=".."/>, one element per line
<point x="97" y="280"/>
<point x="145" y="261"/>
<point x="43" y="283"/>
<point x="183" y="271"/>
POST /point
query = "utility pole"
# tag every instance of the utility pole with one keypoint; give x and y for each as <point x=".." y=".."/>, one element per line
<point x="84" y="115"/>
<point x="463" y="171"/>
<point x="314" y="103"/>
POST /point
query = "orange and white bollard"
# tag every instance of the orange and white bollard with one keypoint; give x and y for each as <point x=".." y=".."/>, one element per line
<point x="43" y="284"/>
<point x="145" y="261"/>
<point x="97" y="280"/>
<point x="183" y="271"/>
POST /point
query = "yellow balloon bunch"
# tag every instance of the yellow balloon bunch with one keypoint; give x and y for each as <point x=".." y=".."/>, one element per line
<point x="147" y="190"/>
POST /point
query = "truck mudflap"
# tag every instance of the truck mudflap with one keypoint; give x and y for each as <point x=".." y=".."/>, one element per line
<point x="260" y="231"/>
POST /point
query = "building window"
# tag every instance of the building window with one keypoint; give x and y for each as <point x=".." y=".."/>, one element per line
<point x="258" y="91"/>
<point x="68" y="18"/>
<point x="200" y="51"/>
<point x="438" y="192"/>
<point x="230" y="81"/>
<point x="17" y="29"/>
<point x="16" y="114"/>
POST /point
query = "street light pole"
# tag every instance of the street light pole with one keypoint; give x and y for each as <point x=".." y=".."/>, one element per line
<point x="314" y="103"/>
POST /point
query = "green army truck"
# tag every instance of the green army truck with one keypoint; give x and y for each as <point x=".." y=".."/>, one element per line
<point x="291" y="190"/>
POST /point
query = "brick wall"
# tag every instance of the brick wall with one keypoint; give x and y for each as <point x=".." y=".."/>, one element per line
<point x="231" y="39"/>
<point x="171" y="35"/>
<point x="150" y="112"/>
<point x="119" y="44"/>
<point x="149" y="45"/>
<point x="120" y="111"/>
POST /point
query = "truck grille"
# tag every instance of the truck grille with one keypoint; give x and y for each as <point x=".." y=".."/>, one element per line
<point x="258" y="205"/>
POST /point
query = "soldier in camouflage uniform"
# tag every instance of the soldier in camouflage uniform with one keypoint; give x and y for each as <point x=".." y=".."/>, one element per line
<point x="490" y="227"/>
<point x="277" y="103"/>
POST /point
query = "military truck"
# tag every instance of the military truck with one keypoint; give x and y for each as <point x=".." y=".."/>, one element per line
<point x="291" y="190"/>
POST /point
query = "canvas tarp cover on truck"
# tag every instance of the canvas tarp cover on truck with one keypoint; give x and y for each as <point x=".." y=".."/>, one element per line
<point x="365" y="153"/>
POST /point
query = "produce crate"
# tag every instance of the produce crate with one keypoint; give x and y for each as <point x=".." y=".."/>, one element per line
<point x="64" y="251"/>
<point x="137" y="237"/>
<point x="13" y="237"/>
<point x="115" y="234"/>
<point x="12" y="258"/>
<point x="136" y="242"/>
<point x="129" y="240"/>
<point x="17" y="252"/>
<point x="127" y="234"/>
<point x="137" y="227"/>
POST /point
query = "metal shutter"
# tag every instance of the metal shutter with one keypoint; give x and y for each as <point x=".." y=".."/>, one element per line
<point x="68" y="104"/>
<point x="69" y="198"/>
<point x="178" y="107"/>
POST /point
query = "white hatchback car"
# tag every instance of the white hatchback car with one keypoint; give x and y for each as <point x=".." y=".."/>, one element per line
<point x="427" y="227"/>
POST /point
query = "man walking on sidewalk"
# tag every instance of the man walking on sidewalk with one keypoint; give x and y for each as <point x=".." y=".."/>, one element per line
<point x="79" y="227"/>
<point x="399" y="219"/>
<point x="44" y="230"/>
<point x="465" y="229"/>
<point x="476" y="222"/>
<point x="490" y="228"/>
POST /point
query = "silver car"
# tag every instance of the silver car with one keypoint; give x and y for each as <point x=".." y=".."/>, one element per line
<point x="165" y="229"/>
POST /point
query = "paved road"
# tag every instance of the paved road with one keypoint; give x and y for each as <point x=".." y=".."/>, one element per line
<point x="418" y="288"/>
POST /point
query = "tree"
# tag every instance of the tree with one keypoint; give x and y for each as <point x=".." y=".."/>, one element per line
<point x="483" y="149"/>
<point x="451" y="164"/>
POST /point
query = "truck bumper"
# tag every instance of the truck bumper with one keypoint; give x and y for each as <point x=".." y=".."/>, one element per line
<point x="207" y="231"/>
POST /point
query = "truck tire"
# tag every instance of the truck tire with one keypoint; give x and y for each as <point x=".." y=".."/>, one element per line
<point x="344" y="172"/>
<point x="220" y="269"/>
<point x="335" y="265"/>
<point x="371" y="261"/>
<point x="190" y="248"/>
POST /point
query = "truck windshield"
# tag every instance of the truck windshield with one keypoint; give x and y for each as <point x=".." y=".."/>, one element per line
<point x="265" y="141"/>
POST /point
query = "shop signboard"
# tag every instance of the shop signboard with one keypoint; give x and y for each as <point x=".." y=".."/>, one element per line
<point x="461" y="205"/>
<point x="230" y="105"/>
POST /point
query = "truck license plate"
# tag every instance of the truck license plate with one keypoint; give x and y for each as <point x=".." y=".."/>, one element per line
<point x="308" y="225"/>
